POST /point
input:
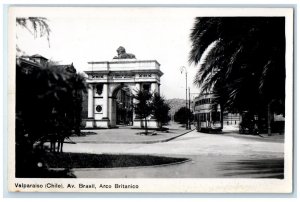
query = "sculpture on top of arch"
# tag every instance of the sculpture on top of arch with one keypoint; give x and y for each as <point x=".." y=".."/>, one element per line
<point x="123" y="55"/>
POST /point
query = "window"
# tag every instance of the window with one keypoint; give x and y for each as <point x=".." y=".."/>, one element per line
<point x="202" y="117"/>
<point x="216" y="116"/>
<point x="99" y="89"/>
<point x="146" y="87"/>
<point x="208" y="116"/>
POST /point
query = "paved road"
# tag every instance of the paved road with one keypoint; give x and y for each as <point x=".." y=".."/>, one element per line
<point x="212" y="155"/>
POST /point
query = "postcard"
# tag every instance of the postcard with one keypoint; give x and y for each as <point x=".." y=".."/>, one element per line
<point x="150" y="99"/>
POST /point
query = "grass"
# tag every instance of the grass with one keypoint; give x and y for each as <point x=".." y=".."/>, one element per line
<point x="80" y="160"/>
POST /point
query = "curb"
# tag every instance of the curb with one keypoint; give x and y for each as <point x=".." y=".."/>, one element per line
<point x="116" y="168"/>
<point x="172" y="138"/>
<point x="141" y="142"/>
<point x="253" y="137"/>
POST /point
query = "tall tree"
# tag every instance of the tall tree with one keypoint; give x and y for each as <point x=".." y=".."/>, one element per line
<point x="160" y="110"/>
<point x="244" y="60"/>
<point x="143" y="107"/>
<point x="183" y="114"/>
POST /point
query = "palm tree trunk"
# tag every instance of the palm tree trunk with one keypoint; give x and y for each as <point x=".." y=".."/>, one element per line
<point x="221" y="116"/>
<point x="146" y="129"/>
<point x="61" y="145"/>
<point x="269" y="118"/>
<point x="58" y="146"/>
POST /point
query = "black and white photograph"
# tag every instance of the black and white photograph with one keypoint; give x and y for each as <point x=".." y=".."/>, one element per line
<point x="150" y="99"/>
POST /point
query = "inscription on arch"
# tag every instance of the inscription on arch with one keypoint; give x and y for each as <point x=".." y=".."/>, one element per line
<point x="122" y="76"/>
<point x="145" y="75"/>
<point x="96" y="76"/>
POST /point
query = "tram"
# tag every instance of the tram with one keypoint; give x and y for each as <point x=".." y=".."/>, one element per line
<point x="207" y="117"/>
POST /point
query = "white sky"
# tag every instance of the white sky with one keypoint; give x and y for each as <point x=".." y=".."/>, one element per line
<point x="82" y="35"/>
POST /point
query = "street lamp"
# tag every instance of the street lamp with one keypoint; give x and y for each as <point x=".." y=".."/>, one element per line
<point x="183" y="69"/>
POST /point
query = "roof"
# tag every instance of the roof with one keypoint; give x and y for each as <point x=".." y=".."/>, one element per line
<point x="122" y="61"/>
<point x="28" y="62"/>
<point x="38" y="56"/>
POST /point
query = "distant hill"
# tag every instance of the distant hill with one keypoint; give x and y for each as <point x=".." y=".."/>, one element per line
<point x="175" y="104"/>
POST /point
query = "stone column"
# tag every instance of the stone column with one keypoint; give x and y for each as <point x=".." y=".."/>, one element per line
<point x="136" y="120"/>
<point x="154" y="87"/>
<point x="91" y="101"/>
<point x="105" y="101"/>
<point x="138" y="86"/>
<point x="112" y="111"/>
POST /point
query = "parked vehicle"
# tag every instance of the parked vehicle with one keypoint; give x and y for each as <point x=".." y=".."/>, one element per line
<point x="249" y="124"/>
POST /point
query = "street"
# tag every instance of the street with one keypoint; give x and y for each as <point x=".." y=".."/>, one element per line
<point x="211" y="156"/>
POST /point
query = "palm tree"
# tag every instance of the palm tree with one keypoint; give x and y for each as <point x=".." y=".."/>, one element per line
<point x="37" y="26"/>
<point x="243" y="60"/>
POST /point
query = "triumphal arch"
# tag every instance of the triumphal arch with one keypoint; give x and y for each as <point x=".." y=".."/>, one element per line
<point x="112" y="85"/>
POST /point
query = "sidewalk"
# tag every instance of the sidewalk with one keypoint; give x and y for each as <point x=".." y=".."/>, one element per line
<point x="233" y="131"/>
<point x="129" y="135"/>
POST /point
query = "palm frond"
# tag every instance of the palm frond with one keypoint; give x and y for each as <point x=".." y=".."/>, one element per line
<point x="203" y="34"/>
<point x="37" y="26"/>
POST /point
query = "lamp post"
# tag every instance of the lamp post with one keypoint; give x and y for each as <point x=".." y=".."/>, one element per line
<point x="183" y="69"/>
<point x="189" y="108"/>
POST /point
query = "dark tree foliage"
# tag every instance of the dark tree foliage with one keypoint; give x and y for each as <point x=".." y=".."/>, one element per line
<point x="160" y="110"/>
<point x="143" y="108"/>
<point x="182" y="115"/>
<point x="48" y="102"/>
<point x="245" y="64"/>
<point x="48" y="108"/>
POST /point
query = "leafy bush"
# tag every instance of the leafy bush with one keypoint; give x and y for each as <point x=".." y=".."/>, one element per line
<point x="160" y="110"/>
<point x="183" y="114"/>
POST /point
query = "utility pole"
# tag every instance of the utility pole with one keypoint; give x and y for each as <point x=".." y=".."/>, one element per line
<point x="186" y="96"/>
<point x="189" y="123"/>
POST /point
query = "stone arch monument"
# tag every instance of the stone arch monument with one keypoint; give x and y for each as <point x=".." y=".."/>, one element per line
<point x="112" y="84"/>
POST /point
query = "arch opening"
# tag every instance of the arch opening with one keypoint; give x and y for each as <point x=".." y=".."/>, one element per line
<point x="123" y="103"/>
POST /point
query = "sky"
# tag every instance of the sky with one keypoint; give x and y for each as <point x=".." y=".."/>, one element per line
<point x="83" y="35"/>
